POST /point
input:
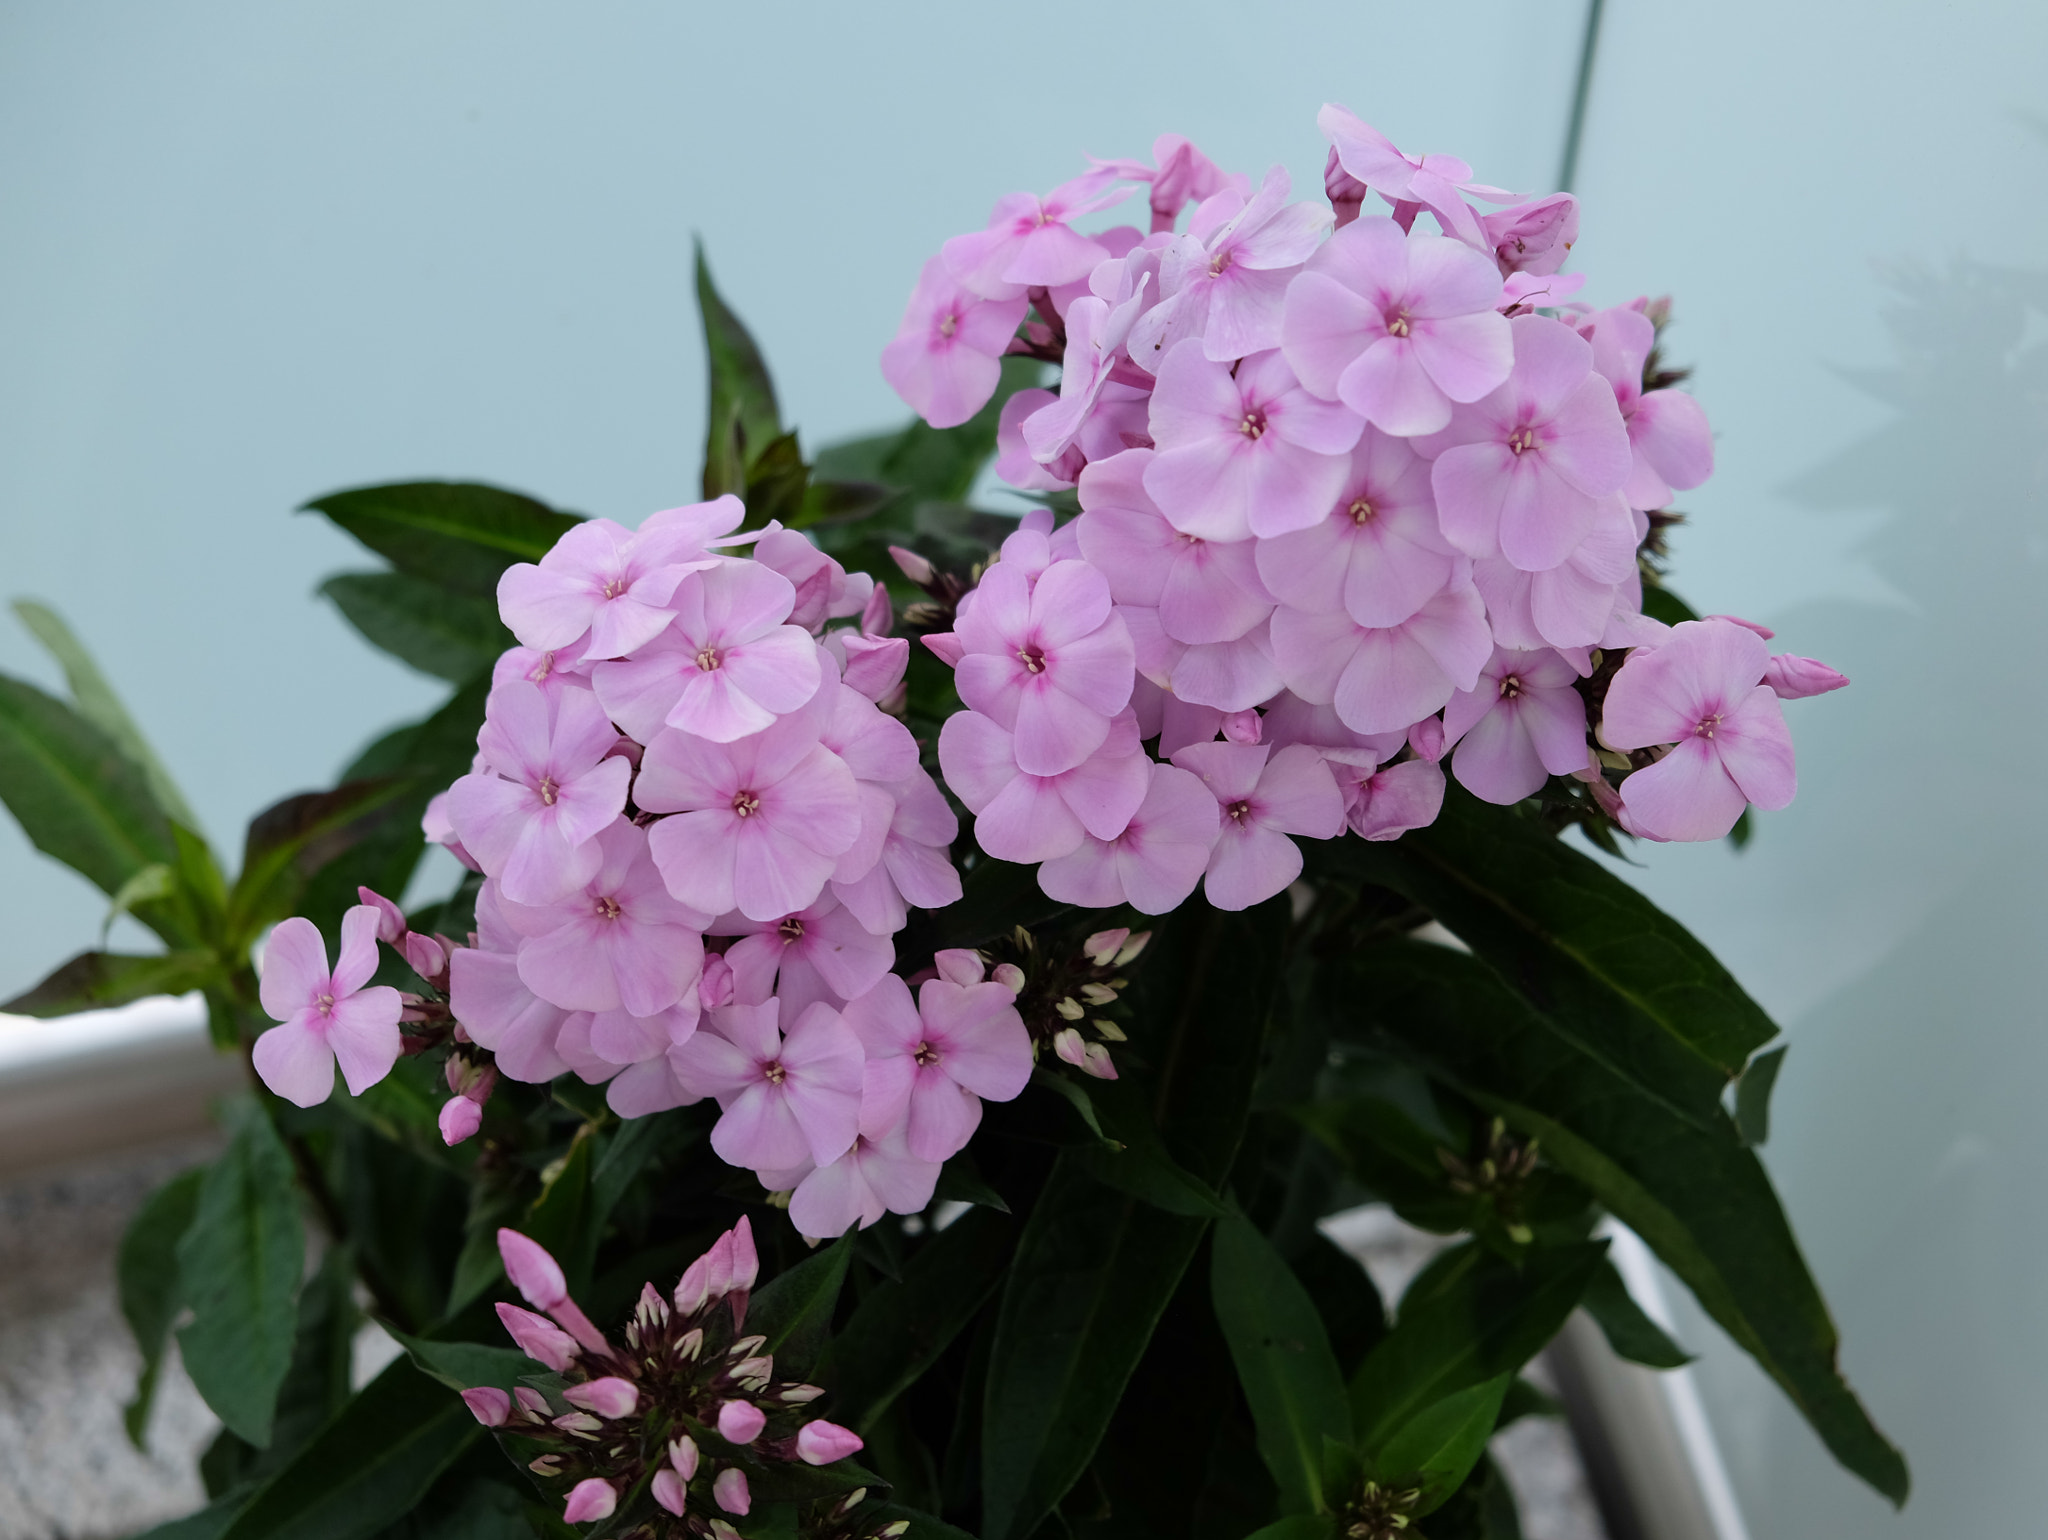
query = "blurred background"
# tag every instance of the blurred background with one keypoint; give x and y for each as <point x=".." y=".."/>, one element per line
<point x="252" y="253"/>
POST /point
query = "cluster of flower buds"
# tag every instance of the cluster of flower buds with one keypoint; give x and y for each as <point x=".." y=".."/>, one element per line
<point x="1068" y="999"/>
<point x="1357" y="496"/>
<point x="682" y="1395"/>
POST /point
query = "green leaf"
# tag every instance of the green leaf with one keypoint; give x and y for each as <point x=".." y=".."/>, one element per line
<point x="1283" y="1359"/>
<point x="453" y="636"/>
<point x="146" y="1272"/>
<point x="960" y="1181"/>
<point x="239" y="1265"/>
<point x="1135" y="1161"/>
<point x="209" y="1523"/>
<point x="1688" y="1187"/>
<point x="367" y="1467"/>
<point x="1437" y="1448"/>
<point x="901" y="1328"/>
<point x="99" y="705"/>
<point x="1630" y="985"/>
<point x="1471" y="1318"/>
<point x="291" y="840"/>
<point x="1300" y="1526"/>
<point x="467" y="1365"/>
<point x="934" y="464"/>
<point x="77" y="796"/>
<point x="1074" y="1095"/>
<point x="923" y="1526"/>
<point x="1660" y="603"/>
<point x="95" y="980"/>
<point x="1095" y="1269"/>
<point x="562" y="1218"/>
<point x="744" y="418"/>
<point x="1631" y="1333"/>
<point x="1753" y="1096"/>
<point x="459" y="536"/>
<point x="794" y="1311"/>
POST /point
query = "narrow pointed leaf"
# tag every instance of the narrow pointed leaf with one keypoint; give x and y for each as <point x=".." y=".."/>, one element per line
<point x="1629" y="1331"/>
<point x="1753" y="1096"/>
<point x="744" y="418"/>
<point x="291" y="840"/>
<point x="95" y="980"/>
<point x="794" y="1311"/>
<point x="146" y="1271"/>
<point x="1437" y="1448"/>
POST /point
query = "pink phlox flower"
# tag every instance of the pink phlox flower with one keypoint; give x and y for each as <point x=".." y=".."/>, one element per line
<point x="1377" y="553"/>
<point x="573" y="1043"/>
<point x="1028" y="818"/>
<point x="551" y="786"/>
<point x="1047" y="658"/>
<point x="1795" y="678"/>
<point x="552" y="671"/>
<point x="1111" y="279"/>
<point x="1265" y="795"/>
<point x="875" y="1177"/>
<point x="1521" y="724"/>
<point x="946" y="358"/>
<point x="391" y="926"/>
<point x="1524" y="472"/>
<point x="619" y="1037"/>
<point x="1382" y="678"/>
<point x="621" y="942"/>
<point x="1250" y="453"/>
<point x="324" y="1017"/>
<point x="786" y="1098"/>
<point x="1179" y="175"/>
<point x="1229" y="677"/>
<point x="1029" y="242"/>
<point x="1290" y="719"/>
<point x="700" y="526"/>
<point x="1396" y="799"/>
<point x="602" y="579"/>
<point x="493" y="1003"/>
<point x="729" y="665"/>
<point x="821" y="952"/>
<point x="759" y="823"/>
<point x="1533" y="237"/>
<point x="824" y="589"/>
<point x="438" y="827"/>
<point x="1204" y="590"/>
<point x="916" y="868"/>
<point x="1702" y="692"/>
<point x="930" y="1065"/>
<point x="1397" y="327"/>
<point x="1671" y="444"/>
<point x="1015" y="463"/>
<point x="1223" y="282"/>
<point x="651" y="1086"/>
<point x="1096" y="333"/>
<point x="1571" y="604"/>
<point x="1436" y="182"/>
<point x="1158" y="859"/>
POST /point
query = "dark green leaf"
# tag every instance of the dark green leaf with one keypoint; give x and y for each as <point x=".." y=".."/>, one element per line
<point x="1075" y="1096"/>
<point x="960" y="1181"/>
<point x="99" y="705"/>
<point x="1136" y="1162"/>
<point x="1300" y="1526"/>
<point x="239" y="1265"/>
<point x="458" y="535"/>
<point x="902" y="1327"/>
<point x="453" y="636"/>
<point x="467" y="1365"/>
<point x="777" y="480"/>
<point x="934" y="464"/>
<point x="923" y="1526"/>
<point x="93" y="980"/>
<point x="209" y="1523"/>
<point x="1753" y="1096"/>
<point x="77" y="796"/>
<point x="1660" y="603"/>
<point x="465" y="1505"/>
<point x="1283" y="1360"/>
<point x="367" y="1467"/>
<point x="291" y="840"/>
<point x="1698" y="1197"/>
<point x="562" y="1219"/>
<point x="1471" y="1318"/>
<point x="1631" y="1333"/>
<point x="794" y="1311"/>
<point x="146" y="1270"/>
<point x="1437" y="1447"/>
<point x="744" y="418"/>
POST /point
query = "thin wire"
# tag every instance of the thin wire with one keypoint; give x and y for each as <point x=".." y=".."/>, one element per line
<point x="1580" y="92"/>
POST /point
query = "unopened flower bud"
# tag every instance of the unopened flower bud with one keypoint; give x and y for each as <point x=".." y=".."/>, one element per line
<point x="799" y="1395"/>
<point x="1245" y="727"/>
<point x="729" y="1491"/>
<point x="1426" y="738"/>
<point x="546" y="1465"/>
<point x="1345" y="192"/>
<point x="894" y="1530"/>
<point x="460" y="1119"/>
<point x="714" y="984"/>
<point x="821" y="1442"/>
<point x="489" y="1405"/>
<point x="593" y="1498"/>
<point x="1097" y="994"/>
<point x="682" y="1454"/>
<point x="1109" y="1031"/>
<point x="1070" y="1009"/>
<point x="1796" y="678"/>
<point x="960" y="965"/>
<point x="912" y="565"/>
<point x="1068" y="1045"/>
<point x="1129" y="951"/>
<point x="535" y="1274"/>
<point x="669" y="1490"/>
<point x="752" y="1373"/>
<point x="539" y="1338"/>
<point x="390" y="918"/>
<point x="578" y="1422"/>
<point x="424" y="955"/>
<point x="608" y="1397"/>
<point x="1010" y="976"/>
<point x="1101" y="948"/>
<point x="740" y="1422"/>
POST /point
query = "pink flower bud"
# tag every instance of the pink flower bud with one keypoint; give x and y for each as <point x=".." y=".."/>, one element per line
<point x="460" y="1118"/>
<point x="1101" y="948"/>
<point x="1427" y="739"/>
<point x="1243" y="727"/>
<point x="946" y="647"/>
<point x="730" y="1491"/>
<point x="821" y="1442"/>
<point x="746" y="1262"/>
<point x="912" y="565"/>
<point x="877" y="616"/>
<point x="539" y="1338"/>
<point x="1010" y="976"/>
<point x="1129" y="951"/>
<point x="535" y="1274"/>
<point x="424" y="955"/>
<point x="390" y="918"/>
<point x="531" y="1401"/>
<point x="960" y="965"/>
<point x="875" y="664"/>
<point x="714" y="985"/>
<point x="608" y="1397"/>
<point x="1796" y="678"/>
<point x="693" y="1289"/>
<point x="682" y="1454"/>
<point x="488" y="1405"/>
<point x="593" y="1498"/>
<point x="669" y="1490"/>
<point x="439" y="829"/>
<point x="740" y="1422"/>
<point x="1067" y="1043"/>
<point x="1345" y="192"/>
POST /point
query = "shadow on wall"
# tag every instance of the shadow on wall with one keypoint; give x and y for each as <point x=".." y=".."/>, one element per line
<point x="1914" y="1180"/>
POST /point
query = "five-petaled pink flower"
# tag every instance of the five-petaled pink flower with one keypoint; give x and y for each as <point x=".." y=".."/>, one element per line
<point x="946" y="358"/>
<point x="1523" y="723"/>
<point x="606" y="580"/>
<point x="787" y="1098"/>
<point x="1029" y="243"/>
<point x="1158" y="859"/>
<point x="1265" y="795"/>
<point x="930" y="1064"/>
<point x="324" y="1018"/>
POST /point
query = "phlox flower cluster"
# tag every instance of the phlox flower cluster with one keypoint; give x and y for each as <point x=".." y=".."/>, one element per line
<point x="1362" y="494"/>
<point x="681" y="1393"/>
